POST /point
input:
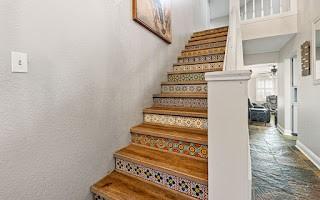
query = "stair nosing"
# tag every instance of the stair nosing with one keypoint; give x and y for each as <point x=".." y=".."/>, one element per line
<point x="177" y="112"/>
<point x="184" y="83"/>
<point x="200" y="49"/>
<point x="190" y="44"/>
<point x="154" y="184"/>
<point x="179" y="95"/>
<point x="196" y="63"/>
<point x="164" y="169"/>
<point x="137" y="130"/>
<point x="222" y="27"/>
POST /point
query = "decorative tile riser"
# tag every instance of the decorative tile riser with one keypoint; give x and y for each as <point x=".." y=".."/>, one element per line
<point x="206" y="66"/>
<point x="98" y="197"/>
<point x="170" y="145"/>
<point x="205" y="37"/>
<point x="183" y="89"/>
<point x="181" y="102"/>
<point x="204" y="52"/>
<point x="218" y="39"/>
<point x="207" y="46"/>
<point x="179" y="184"/>
<point x="197" y="59"/>
<point x="186" y="77"/>
<point x="179" y="121"/>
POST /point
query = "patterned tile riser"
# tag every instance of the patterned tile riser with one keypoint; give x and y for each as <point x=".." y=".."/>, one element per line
<point x="179" y="121"/>
<point x="206" y="66"/>
<point x="207" y="46"/>
<point x="208" y="58"/>
<point x="204" y="52"/>
<point x="183" y="89"/>
<point x="186" y="77"/>
<point x="169" y="181"/>
<point x="181" y="102"/>
<point x="218" y="39"/>
<point x="170" y="145"/>
<point x="98" y="197"/>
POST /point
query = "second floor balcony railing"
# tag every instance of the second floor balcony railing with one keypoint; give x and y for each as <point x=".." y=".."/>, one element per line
<point x="255" y="9"/>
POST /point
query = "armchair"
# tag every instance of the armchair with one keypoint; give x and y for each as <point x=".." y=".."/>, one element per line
<point x="258" y="113"/>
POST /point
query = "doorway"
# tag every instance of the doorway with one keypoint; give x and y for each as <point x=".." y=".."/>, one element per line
<point x="294" y="95"/>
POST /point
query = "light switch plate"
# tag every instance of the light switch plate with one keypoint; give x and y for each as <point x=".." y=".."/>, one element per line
<point x="19" y="62"/>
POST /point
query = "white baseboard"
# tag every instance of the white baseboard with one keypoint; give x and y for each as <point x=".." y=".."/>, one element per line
<point x="307" y="152"/>
<point x="284" y="131"/>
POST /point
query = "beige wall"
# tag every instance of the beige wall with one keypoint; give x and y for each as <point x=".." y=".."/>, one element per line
<point x="91" y="72"/>
<point x="309" y="94"/>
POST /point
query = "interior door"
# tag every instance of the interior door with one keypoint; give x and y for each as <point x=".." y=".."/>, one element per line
<point x="294" y="95"/>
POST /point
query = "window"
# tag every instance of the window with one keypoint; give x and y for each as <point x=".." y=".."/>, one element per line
<point x="265" y="86"/>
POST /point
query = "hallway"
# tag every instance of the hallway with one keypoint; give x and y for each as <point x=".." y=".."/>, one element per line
<point x="280" y="171"/>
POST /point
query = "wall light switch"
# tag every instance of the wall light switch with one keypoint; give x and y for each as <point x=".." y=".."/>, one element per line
<point x="19" y="62"/>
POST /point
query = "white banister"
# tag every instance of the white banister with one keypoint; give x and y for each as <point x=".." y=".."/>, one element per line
<point x="234" y="51"/>
<point x="228" y="135"/>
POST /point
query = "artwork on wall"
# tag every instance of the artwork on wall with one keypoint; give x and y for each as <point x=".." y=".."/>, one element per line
<point x="305" y="58"/>
<point x="155" y="15"/>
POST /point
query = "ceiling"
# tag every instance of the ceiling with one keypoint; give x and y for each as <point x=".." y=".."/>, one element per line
<point x="219" y="8"/>
<point x="266" y="45"/>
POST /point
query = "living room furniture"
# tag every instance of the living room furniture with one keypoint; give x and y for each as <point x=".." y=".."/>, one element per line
<point x="258" y="113"/>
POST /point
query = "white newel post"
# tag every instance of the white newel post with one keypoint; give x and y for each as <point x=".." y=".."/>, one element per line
<point x="228" y="135"/>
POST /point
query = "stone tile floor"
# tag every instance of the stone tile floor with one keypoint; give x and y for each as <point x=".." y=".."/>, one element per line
<point x="280" y="171"/>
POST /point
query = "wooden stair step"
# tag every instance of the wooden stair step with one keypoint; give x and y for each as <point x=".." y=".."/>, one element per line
<point x="173" y="164"/>
<point x="174" y="140"/>
<point x="118" y="186"/>
<point x="211" y="36"/>
<point x="210" y="31"/>
<point x="186" y="112"/>
<point x="205" y="46"/>
<point x="200" y="96"/>
<point x="185" y="83"/>
<point x="211" y="40"/>
<point x="176" y="133"/>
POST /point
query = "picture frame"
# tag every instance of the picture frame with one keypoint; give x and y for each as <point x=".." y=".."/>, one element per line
<point x="316" y="50"/>
<point x="155" y="16"/>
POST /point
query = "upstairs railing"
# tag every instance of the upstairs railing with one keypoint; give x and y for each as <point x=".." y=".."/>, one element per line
<point x="234" y="52"/>
<point x="254" y="9"/>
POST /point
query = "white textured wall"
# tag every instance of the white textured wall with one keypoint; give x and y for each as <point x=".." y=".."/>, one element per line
<point x="91" y="71"/>
<point x="308" y="93"/>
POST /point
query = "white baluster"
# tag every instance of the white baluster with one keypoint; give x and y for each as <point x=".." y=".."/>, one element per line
<point x="254" y="9"/>
<point x="281" y="9"/>
<point x="271" y="7"/>
<point x="262" y="8"/>
<point x="245" y="9"/>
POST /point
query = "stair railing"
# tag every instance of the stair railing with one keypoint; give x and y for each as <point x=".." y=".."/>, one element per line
<point x="228" y="134"/>
<point x="234" y="50"/>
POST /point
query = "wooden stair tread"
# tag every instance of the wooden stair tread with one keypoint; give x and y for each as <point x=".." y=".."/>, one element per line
<point x="184" y="83"/>
<point x="187" y="112"/>
<point x="179" y="95"/>
<point x="191" y="72"/>
<point x="211" y="40"/>
<point x="183" y="166"/>
<point x="196" y="63"/>
<point x="208" y="36"/>
<point x="183" y="134"/>
<point x="192" y="56"/>
<point x="118" y="186"/>
<point x="208" y="30"/>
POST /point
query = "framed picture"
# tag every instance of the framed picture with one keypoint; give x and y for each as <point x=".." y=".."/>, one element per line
<point x="305" y="59"/>
<point x="155" y="15"/>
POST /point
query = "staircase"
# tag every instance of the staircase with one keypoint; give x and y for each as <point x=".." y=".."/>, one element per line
<point x="168" y="156"/>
